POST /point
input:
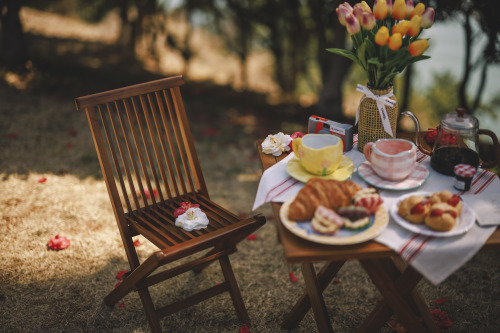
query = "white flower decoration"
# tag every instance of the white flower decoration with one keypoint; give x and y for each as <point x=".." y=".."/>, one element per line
<point x="192" y="219"/>
<point x="276" y="144"/>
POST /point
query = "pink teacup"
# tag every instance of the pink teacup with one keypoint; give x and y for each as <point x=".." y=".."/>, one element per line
<point x="392" y="159"/>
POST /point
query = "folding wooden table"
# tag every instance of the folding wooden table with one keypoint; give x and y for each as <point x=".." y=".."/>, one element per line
<point x="395" y="280"/>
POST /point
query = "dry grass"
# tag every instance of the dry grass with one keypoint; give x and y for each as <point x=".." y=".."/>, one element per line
<point x="41" y="135"/>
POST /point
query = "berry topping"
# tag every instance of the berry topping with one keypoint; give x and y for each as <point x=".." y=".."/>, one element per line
<point x="437" y="212"/>
<point x="454" y="200"/>
<point x="418" y="208"/>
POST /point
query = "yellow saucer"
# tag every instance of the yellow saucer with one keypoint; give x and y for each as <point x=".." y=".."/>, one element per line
<point x="297" y="171"/>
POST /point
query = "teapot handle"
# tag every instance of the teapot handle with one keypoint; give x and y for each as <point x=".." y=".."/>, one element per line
<point x="417" y="131"/>
<point x="493" y="137"/>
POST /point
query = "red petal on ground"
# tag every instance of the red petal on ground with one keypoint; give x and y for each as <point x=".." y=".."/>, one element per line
<point x="58" y="243"/>
<point x="72" y="132"/>
<point x="121" y="305"/>
<point x="120" y="274"/>
<point x="292" y="276"/>
<point x="244" y="329"/>
<point x="252" y="237"/>
<point x="441" y="318"/>
<point x="42" y="180"/>
<point x="211" y="132"/>
<point x="137" y="243"/>
<point x="442" y="300"/>
<point x="335" y="281"/>
<point x="117" y="284"/>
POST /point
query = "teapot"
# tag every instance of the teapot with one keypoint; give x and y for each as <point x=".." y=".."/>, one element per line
<point x="457" y="142"/>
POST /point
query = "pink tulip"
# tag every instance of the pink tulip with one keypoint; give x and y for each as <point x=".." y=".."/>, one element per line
<point x="368" y="20"/>
<point x="352" y="24"/>
<point x="409" y="7"/>
<point x="342" y="12"/>
<point x="358" y="11"/>
<point x="428" y="18"/>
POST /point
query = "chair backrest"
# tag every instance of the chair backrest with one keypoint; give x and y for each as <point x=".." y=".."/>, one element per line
<point x="144" y="144"/>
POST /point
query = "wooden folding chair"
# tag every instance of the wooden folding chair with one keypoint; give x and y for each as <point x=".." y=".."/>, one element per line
<point x="148" y="159"/>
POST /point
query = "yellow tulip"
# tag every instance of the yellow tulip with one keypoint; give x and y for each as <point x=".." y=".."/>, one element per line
<point x="414" y="26"/>
<point x="395" y="41"/>
<point x="382" y="36"/>
<point x="399" y="10"/>
<point x="418" y="47"/>
<point x="365" y="6"/>
<point x="380" y="10"/>
<point x="418" y="10"/>
<point x="401" y="28"/>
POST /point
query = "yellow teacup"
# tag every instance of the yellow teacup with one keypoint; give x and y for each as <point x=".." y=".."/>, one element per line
<point x="319" y="154"/>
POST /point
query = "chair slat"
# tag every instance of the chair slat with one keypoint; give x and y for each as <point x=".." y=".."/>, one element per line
<point x="178" y="145"/>
<point x="116" y="163"/>
<point x="188" y="140"/>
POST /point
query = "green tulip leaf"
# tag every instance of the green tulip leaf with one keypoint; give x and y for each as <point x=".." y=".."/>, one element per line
<point x="344" y="53"/>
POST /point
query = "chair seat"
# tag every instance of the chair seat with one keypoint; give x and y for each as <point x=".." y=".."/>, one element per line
<point x="157" y="224"/>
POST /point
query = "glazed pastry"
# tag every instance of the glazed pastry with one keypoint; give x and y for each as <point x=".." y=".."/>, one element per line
<point x="442" y="196"/>
<point x="442" y="217"/>
<point x="326" y="221"/>
<point x="330" y="193"/>
<point x="449" y="198"/>
<point x="368" y="198"/>
<point x="414" y="209"/>
<point x="355" y="217"/>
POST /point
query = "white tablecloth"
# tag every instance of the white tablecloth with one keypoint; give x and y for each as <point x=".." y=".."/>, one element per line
<point x="435" y="258"/>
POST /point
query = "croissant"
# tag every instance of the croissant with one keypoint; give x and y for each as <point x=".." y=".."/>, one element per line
<point x="330" y="193"/>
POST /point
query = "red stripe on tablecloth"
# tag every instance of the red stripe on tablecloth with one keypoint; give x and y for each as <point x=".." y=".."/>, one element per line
<point x="284" y="190"/>
<point x="276" y="187"/>
<point x="486" y="183"/>
<point x="418" y="250"/>
<point x="407" y="244"/>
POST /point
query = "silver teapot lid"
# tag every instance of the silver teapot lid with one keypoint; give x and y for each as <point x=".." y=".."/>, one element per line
<point x="460" y="121"/>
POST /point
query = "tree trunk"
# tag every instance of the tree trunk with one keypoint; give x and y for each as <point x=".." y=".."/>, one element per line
<point x="462" y="93"/>
<point x="14" y="48"/>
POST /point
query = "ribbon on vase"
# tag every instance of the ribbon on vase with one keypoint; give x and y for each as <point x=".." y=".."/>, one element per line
<point x="382" y="101"/>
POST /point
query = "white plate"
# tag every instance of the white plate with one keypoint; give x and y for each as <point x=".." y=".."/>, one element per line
<point x="416" y="178"/>
<point x="343" y="237"/>
<point x="464" y="222"/>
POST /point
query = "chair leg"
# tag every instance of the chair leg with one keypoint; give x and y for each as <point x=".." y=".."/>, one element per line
<point x="234" y="290"/>
<point x="149" y="309"/>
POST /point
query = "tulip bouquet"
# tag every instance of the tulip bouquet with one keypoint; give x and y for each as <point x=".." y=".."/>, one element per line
<point x="385" y="40"/>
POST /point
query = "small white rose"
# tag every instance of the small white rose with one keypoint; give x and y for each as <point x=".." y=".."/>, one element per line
<point x="192" y="219"/>
<point x="276" y="144"/>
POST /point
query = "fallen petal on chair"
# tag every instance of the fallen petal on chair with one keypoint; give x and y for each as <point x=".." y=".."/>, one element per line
<point x="292" y="276"/>
<point x="58" y="243"/>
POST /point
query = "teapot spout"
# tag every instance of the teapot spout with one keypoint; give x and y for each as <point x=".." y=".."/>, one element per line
<point x="417" y="131"/>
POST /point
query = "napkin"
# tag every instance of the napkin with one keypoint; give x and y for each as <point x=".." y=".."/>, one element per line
<point x="276" y="185"/>
<point x="487" y="209"/>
